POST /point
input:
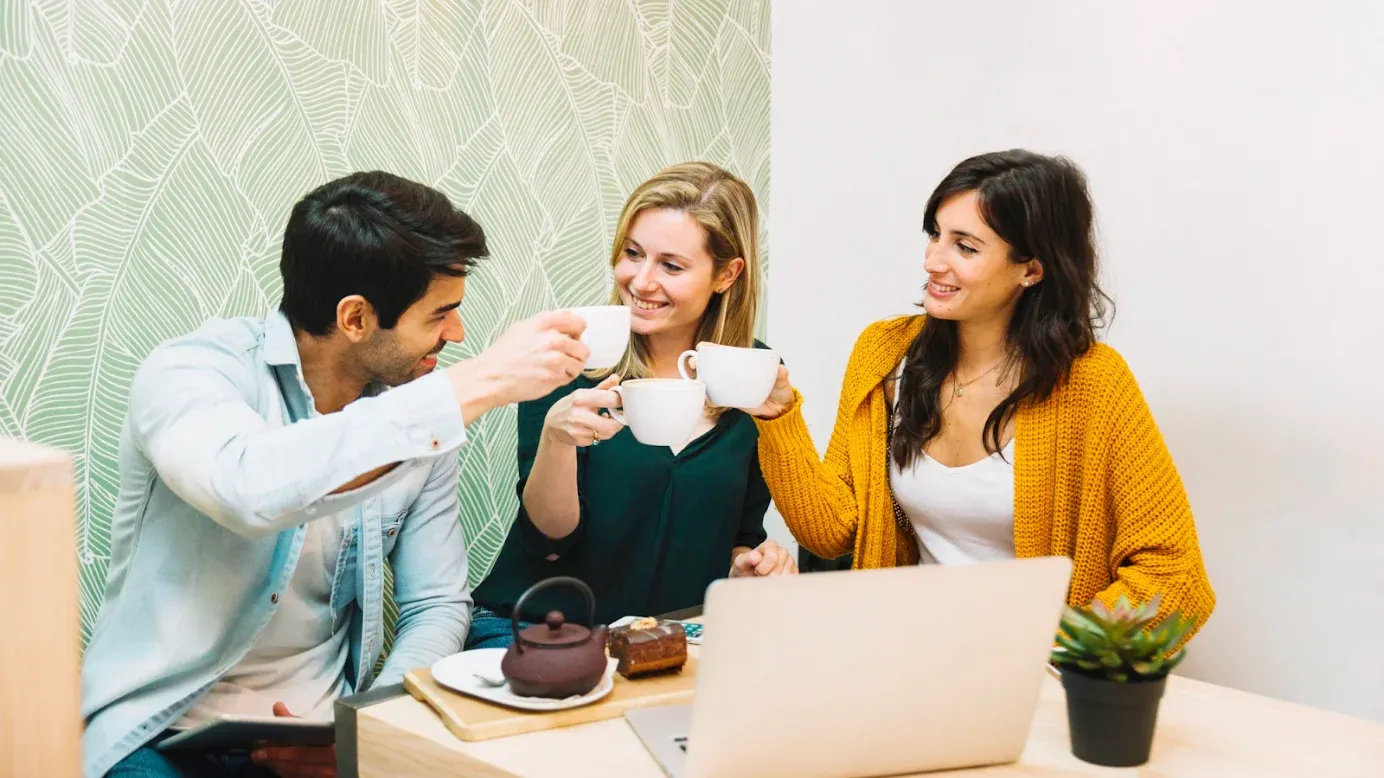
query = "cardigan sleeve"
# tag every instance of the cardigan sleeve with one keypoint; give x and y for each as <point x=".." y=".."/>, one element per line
<point x="1155" y="549"/>
<point x="816" y="497"/>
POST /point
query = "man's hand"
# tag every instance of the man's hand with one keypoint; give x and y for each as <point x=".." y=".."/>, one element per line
<point x="296" y="761"/>
<point x="529" y="360"/>
<point x="768" y="559"/>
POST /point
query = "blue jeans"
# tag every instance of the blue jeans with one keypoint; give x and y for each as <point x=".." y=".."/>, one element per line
<point x="148" y="762"/>
<point x="489" y="630"/>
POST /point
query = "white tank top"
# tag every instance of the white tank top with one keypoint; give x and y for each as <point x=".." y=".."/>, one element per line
<point x="961" y="515"/>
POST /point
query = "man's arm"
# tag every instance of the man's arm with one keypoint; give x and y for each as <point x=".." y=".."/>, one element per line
<point x="429" y="561"/>
<point x="191" y="419"/>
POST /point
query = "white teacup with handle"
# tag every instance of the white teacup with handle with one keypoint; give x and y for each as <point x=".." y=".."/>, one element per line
<point x="660" y="411"/>
<point x="734" y="377"/>
<point x="607" y="334"/>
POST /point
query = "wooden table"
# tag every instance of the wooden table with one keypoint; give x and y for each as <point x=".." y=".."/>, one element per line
<point x="1204" y="731"/>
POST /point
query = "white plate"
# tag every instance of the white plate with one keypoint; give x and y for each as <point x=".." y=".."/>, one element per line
<point x="458" y="673"/>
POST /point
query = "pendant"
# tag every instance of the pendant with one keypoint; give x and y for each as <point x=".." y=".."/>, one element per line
<point x="957" y="391"/>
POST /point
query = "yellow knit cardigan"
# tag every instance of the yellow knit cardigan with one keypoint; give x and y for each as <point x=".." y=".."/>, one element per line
<point x="1093" y="481"/>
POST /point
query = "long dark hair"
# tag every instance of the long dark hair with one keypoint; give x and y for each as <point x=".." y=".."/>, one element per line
<point x="1040" y="206"/>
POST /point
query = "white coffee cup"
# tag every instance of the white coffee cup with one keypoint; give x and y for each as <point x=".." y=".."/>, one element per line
<point x="607" y="334"/>
<point x="660" y="411"/>
<point x="734" y="377"/>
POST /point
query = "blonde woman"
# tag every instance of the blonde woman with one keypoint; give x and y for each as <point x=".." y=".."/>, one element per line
<point x="648" y="528"/>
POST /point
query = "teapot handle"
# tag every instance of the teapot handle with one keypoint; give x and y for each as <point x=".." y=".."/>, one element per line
<point x="545" y="583"/>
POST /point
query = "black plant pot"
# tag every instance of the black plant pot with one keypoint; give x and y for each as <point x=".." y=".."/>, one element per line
<point x="1111" y="723"/>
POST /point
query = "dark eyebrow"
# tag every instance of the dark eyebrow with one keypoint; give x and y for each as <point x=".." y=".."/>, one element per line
<point x="441" y="309"/>
<point x="964" y="234"/>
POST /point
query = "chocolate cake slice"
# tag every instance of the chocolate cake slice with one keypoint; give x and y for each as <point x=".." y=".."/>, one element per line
<point x="648" y="646"/>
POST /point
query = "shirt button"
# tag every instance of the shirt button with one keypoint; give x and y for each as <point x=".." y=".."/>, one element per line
<point x="435" y="444"/>
<point x="274" y="597"/>
<point x="391" y="532"/>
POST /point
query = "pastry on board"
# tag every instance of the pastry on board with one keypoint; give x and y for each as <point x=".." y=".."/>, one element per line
<point x="647" y="646"/>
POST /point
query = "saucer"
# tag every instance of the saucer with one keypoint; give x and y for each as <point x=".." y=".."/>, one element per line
<point x="458" y="673"/>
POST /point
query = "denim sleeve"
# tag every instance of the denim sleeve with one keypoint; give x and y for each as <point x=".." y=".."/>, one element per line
<point x="429" y="561"/>
<point x="190" y="416"/>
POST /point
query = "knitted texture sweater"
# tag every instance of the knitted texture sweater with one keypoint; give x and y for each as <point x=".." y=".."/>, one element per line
<point x="1093" y="481"/>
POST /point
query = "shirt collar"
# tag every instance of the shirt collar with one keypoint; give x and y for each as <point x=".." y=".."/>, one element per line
<point x="281" y="350"/>
<point x="280" y="347"/>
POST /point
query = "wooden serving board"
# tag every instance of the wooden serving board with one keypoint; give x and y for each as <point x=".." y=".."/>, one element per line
<point x="470" y="718"/>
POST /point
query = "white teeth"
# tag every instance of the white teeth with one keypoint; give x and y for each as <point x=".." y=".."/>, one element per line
<point x="943" y="287"/>
<point x="646" y="306"/>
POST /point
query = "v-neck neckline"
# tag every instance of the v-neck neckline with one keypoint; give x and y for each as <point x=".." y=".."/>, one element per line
<point x="699" y="442"/>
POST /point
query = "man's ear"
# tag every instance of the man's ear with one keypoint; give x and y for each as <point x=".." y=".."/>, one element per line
<point x="355" y="318"/>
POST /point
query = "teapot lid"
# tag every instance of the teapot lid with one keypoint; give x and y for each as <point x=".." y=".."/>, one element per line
<point x="555" y="632"/>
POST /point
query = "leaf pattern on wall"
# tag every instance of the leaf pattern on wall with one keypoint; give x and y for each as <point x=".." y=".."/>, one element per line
<point x="153" y="149"/>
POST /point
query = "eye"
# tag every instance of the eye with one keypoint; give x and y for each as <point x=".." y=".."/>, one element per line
<point x="965" y="249"/>
<point x="630" y="253"/>
<point x="672" y="268"/>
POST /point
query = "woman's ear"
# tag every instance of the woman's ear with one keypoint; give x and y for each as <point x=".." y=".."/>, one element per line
<point x="726" y="278"/>
<point x="1033" y="273"/>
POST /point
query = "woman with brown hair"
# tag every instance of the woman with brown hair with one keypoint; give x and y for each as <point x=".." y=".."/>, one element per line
<point x="995" y="426"/>
<point x="646" y="527"/>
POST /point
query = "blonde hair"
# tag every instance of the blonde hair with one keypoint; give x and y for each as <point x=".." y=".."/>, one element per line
<point x="725" y="208"/>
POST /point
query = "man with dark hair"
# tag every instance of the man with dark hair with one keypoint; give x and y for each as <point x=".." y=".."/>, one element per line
<point x="266" y="476"/>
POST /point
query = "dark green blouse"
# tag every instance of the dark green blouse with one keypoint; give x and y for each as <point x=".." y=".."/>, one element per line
<point x="655" y="529"/>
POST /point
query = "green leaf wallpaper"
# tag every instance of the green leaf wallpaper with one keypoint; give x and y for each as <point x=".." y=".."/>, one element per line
<point x="151" y="151"/>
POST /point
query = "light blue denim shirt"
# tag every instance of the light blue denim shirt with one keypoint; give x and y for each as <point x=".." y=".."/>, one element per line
<point x="223" y="459"/>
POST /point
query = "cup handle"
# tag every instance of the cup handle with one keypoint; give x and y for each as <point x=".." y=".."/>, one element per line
<point x="618" y="414"/>
<point x="682" y="364"/>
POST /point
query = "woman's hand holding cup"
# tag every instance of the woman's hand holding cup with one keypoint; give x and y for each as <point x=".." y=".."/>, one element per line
<point x="780" y="398"/>
<point x="577" y="419"/>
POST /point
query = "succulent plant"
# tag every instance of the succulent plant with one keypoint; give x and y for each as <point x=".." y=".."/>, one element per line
<point x="1118" y="643"/>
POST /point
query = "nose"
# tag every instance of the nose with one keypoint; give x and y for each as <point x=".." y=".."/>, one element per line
<point x="934" y="261"/>
<point x="454" y="330"/>
<point x="644" y="280"/>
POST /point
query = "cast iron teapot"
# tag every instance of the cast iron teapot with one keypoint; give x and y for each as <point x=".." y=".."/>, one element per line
<point x="555" y="659"/>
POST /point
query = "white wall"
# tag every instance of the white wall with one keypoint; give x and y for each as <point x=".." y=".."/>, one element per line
<point x="1234" y="152"/>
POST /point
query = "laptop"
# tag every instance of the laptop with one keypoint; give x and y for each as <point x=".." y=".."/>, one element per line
<point x="864" y="673"/>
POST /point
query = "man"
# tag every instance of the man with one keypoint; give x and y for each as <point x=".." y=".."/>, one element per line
<point x="266" y="475"/>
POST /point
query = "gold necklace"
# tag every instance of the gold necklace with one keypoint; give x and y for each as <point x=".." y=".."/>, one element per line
<point x="959" y="387"/>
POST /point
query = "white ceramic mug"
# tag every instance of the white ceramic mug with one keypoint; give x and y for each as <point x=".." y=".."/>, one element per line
<point x="607" y="334"/>
<point x="734" y="377"/>
<point x="660" y="411"/>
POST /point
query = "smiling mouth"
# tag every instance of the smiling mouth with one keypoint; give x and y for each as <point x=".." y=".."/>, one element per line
<point x="645" y="305"/>
<point x="943" y="288"/>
